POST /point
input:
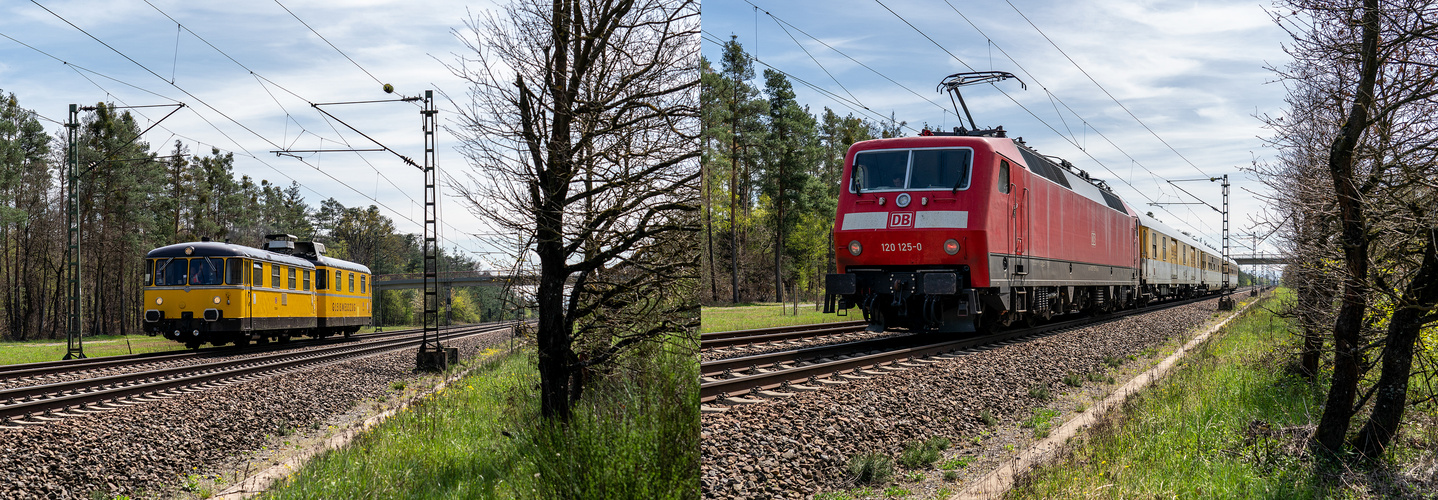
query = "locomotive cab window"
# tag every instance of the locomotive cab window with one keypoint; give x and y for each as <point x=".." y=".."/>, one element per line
<point x="149" y="271"/>
<point x="206" y="271"/>
<point x="911" y="169"/>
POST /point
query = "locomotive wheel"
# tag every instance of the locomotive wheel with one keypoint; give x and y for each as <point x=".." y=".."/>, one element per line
<point x="349" y="333"/>
<point x="192" y="345"/>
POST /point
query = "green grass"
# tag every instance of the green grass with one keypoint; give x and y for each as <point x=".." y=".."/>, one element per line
<point x="921" y="454"/>
<point x="34" y="351"/>
<point x="750" y="316"/>
<point x="1191" y="435"/>
<point x="634" y="436"/>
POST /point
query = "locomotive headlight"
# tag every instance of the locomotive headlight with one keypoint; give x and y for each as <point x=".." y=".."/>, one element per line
<point x="902" y="200"/>
<point x="855" y="248"/>
<point x="159" y="300"/>
<point x="951" y="246"/>
<point x="217" y="299"/>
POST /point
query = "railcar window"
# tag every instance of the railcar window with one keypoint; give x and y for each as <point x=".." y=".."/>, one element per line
<point x="352" y="282"/>
<point x="275" y="275"/>
<point x="1003" y="176"/>
<point x="1165" y="248"/>
<point x="940" y="169"/>
<point x="881" y="169"/>
<point x="292" y="278"/>
<point x="149" y="271"/>
<point x="320" y="282"/>
<point x="307" y="280"/>
<point x="235" y="270"/>
<point x="171" y="272"/>
<point x="362" y="283"/>
<point x="339" y="285"/>
<point x="259" y="274"/>
<point x="206" y="271"/>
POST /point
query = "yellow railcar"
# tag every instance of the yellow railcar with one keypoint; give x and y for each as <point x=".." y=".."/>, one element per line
<point x="219" y="293"/>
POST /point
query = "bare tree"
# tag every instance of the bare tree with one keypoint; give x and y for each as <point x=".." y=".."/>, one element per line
<point x="1361" y="92"/>
<point x="581" y="129"/>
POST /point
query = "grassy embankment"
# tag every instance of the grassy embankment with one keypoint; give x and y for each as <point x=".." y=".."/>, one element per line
<point x="34" y="351"/>
<point x="1231" y="422"/>
<point x="632" y="436"/>
<point x="750" y="316"/>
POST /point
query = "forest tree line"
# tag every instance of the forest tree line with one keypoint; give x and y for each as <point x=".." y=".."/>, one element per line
<point x="133" y="198"/>
<point x="770" y="182"/>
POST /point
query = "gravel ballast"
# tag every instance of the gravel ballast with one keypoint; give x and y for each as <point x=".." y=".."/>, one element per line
<point x="795" y="447"/>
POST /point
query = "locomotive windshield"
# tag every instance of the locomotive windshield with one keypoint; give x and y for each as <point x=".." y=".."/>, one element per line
<point x="912" y="169"/>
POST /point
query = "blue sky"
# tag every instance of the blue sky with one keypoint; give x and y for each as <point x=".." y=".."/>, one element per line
<point x="1193" y="72"/>
<point x="397" y="42"/>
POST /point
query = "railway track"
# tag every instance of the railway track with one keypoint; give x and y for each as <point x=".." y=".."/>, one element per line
<point x="39" y="404"/>
<point x="766" y="374"/>
<point x="18" y="374"/>
<point x="716" y="340"/>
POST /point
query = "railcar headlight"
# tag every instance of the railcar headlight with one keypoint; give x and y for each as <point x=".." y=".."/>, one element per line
<point x="951" y="246"/>
<point x="902" y="200"/>
<point x="855" y="248"/>
<point x="217" y="299"/>
<point x="159" y="300"/>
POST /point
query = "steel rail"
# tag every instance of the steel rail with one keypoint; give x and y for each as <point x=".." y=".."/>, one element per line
<point x="83" y="392"/>
<point x="715" y="340"/>
<point x="73" y="365"/>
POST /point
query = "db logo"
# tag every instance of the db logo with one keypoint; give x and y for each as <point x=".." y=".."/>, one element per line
<point x="901" y="219"/>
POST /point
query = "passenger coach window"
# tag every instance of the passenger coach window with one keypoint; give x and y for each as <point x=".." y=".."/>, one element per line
<point x="1003" y="176"/>
<point x="236" y="269"/>
<point x="940" y="169"/>
<point x="352" y="282"/>
<point x="292" y="278"/>
<point x="307" y="280"/>
<point x="362" y="283"/>
<point x="339" y="285"/>
<point x="259" y="270"/>
<point x="275" y="276"/>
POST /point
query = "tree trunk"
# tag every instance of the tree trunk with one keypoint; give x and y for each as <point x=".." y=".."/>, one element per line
<point x="1347" y="328"/>
<point x="779" y="242"/>
<point x="554" y="339"/>
<point x="734" y="208"/>
<point x="1392" y="392"/>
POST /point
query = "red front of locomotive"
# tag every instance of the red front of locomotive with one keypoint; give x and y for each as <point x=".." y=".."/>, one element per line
<point x="957" y="233"/>
<point x="912" y="222"/>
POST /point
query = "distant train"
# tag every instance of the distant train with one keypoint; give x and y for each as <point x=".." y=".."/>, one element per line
<point x="966" y="231"/>
<point x="219" y="293"/>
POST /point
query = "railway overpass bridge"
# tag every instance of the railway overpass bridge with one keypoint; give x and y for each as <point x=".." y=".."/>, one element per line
<point x="384" y="282"/>
<point x="1262" y="258"/>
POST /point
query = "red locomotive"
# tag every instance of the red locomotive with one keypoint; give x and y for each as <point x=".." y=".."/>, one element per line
<point x="963" y="231"/>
